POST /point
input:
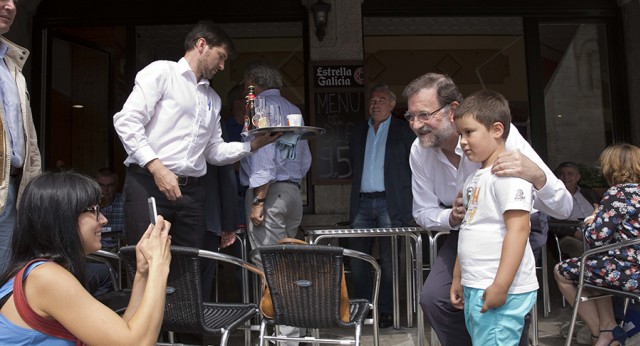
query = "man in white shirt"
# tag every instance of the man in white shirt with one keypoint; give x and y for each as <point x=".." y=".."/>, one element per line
<point x="439" y="169"/>
<point x="170" y="127"/>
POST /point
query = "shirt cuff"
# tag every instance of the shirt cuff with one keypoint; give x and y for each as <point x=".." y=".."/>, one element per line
<point x="246" y="146"/>
<point x="547" y="192"/>
<point x="144" y="155"/>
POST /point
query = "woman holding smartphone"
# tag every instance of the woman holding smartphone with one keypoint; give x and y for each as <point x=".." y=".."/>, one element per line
<point x="43" y="299"/>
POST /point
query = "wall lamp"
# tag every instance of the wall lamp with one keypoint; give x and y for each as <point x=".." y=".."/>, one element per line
<point x="320" y="17"/>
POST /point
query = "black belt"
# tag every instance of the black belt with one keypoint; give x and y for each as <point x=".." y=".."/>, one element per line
<point x="289" y="182"/>
<point x="378" y="194"/>
<point x="182" y="179"/>
<point x="15" y="171"/>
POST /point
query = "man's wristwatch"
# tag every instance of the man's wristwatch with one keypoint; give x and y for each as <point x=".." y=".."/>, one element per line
<point x="257" y="201"/>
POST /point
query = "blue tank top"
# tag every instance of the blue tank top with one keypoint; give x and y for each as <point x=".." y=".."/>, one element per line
<point x="11" y="334"/>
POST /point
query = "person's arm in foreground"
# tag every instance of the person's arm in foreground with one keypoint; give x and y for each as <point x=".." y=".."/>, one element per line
<point x="552" y="197"/>
<point x="513" y="246"/>
<point x="56" y="293"/>
<point x="456" y="292"/>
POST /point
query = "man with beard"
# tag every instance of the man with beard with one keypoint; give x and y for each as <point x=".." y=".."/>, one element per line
<point x="439" y="169"/>
<point x="170" y="127"/>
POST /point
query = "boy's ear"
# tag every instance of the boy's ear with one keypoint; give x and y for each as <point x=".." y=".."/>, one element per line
<point x="497" y="129"/>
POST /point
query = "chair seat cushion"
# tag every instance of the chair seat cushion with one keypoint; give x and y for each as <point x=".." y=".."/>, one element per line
<point x="220" y="317"/>
<point x="359" y="308"/>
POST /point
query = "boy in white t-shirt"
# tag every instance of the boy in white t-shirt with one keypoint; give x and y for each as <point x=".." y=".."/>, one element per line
<point x="494" y="279"/>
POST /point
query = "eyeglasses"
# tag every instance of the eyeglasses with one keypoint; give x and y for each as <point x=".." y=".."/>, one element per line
<point x="423" y="116"/>
<point x="95" y="209"/>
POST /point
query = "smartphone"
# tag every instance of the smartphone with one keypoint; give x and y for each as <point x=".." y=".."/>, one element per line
<point x="153" y="211"/>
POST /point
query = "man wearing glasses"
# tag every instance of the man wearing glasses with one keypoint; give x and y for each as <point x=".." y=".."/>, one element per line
<point x="439" y="169"/>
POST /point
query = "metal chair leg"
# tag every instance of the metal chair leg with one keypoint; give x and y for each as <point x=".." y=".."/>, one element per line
<point x="546" y="301"/>
<point x="534" y="323"/>
<point x="574" y="315"/>
<point x="564" y="301"/>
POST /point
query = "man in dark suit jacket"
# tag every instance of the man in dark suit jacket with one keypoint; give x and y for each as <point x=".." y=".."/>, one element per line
<point x="380" y="190"/>
<point x="221" y="217"/>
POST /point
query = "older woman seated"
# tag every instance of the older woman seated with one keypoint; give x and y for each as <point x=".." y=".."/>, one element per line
<point x="615" y="220"/>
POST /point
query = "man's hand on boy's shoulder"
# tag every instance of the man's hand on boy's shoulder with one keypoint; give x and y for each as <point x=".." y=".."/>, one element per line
<point x="516" y="164"/>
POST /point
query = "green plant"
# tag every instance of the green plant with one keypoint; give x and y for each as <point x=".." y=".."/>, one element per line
<point x="591" y="176"/>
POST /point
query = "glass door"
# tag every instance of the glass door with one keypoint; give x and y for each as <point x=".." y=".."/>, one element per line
<point x="77" y="135"/>
<point x="576" y="84"/>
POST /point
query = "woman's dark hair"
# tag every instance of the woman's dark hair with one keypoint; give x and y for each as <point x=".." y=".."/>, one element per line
<point x="47" y="222"/>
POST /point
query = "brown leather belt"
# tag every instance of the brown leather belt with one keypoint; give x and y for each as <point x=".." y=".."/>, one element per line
<point x="182" y="179"/>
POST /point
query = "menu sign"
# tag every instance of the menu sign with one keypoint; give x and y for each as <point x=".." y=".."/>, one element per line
<point x="337" y="104"/>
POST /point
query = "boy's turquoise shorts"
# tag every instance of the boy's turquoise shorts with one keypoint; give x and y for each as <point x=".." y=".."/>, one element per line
<point x="501" y="326"/>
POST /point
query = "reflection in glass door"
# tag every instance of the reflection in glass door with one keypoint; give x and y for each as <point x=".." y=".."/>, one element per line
<point x="79" y="117"/>
<point x="577" y="96"/>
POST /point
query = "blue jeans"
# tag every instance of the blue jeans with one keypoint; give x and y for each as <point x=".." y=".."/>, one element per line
<point x="373" y="213"/>
<point x="8" y="223"/>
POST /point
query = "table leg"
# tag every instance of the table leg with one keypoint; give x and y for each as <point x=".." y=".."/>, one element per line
<point x="419" y="280"/>
<point x="409" y="277"/>
<point x="396" y="282"/>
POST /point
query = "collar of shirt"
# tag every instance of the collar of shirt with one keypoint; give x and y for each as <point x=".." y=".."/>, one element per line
<point x="185" y="70"/>
<point x="383" y="125"/>
<point x="270" y="92"/>
<point x="374" y="156"/>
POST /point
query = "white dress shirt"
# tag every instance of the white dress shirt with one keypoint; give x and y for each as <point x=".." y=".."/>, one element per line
<point x="581" y="207"/>
<point x="171" y="116"/>
<point x="436" y="182"/>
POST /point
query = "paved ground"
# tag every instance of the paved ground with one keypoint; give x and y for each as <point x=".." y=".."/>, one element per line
<point x="549" y="327"/>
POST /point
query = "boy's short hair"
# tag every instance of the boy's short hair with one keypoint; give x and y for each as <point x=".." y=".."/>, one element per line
<point x="487" y="107"/>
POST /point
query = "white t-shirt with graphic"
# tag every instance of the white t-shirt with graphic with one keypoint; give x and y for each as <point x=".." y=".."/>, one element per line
<point x="486" y="197"/>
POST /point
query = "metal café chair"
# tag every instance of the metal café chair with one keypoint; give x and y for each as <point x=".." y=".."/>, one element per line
<point x="600" y="291"/>
<point x="185" y="311"/>
<point x="577" y="225"/>
<point x="305" y="282"/>
<point x="118" y="299"/>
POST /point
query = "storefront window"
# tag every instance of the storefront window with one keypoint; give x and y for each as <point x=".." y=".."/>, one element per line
<point x="577" y="99"/>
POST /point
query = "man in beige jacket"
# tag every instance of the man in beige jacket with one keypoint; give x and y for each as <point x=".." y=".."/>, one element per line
<point x="19" y="154"/>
